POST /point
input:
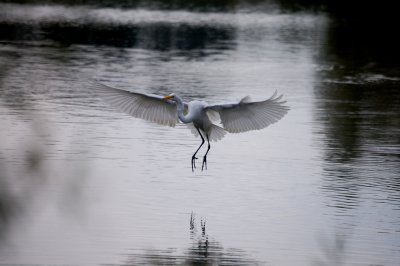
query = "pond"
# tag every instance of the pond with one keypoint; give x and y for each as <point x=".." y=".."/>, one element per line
<point x="84" y="184"/>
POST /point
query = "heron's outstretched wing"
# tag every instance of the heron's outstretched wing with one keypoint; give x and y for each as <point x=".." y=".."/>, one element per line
<point x="245" y="115"/>
<point x="148" y="107"/>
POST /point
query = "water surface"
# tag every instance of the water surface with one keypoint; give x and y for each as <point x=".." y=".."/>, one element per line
<point x="83" y="184"/>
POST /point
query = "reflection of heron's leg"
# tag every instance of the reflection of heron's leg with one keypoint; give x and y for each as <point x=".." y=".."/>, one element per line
<point x="205" y="155"/>
<point x="194" y="155"/>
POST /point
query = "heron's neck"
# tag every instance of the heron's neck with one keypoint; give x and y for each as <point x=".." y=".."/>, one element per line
<point x="181" y="107"/>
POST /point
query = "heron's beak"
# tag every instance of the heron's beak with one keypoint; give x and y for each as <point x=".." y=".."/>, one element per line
<point x="169" y="97"/>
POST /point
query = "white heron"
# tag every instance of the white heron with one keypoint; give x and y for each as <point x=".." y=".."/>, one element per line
<point x="240" y="116"/>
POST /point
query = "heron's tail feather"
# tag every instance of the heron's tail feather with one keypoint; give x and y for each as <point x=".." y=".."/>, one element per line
<point x="216" y="133"/>
<point x="193" y="129"/>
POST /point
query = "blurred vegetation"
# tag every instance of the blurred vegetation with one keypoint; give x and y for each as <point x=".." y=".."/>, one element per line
<point x="339" y="8"/>
<point x="155" y="36"/>
<point x="361" y="32"/>
<point x="221" y="5"/>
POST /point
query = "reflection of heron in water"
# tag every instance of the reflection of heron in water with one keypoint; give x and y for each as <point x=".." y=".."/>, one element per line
<point x="203" y="250"/>
<point x="240" y="116"/>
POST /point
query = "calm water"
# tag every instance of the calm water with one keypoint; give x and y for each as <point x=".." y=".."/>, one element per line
<point x="82" y="184"/>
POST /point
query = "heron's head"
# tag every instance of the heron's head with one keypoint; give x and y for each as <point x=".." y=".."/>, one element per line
<point x="170" y="97"/>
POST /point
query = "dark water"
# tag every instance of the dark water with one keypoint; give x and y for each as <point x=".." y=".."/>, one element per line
<point x="82" y="184"/>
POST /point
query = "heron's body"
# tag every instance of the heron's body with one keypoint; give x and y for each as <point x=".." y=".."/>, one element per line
<point x="236" y="117"/>
<point x="198" y="116"/>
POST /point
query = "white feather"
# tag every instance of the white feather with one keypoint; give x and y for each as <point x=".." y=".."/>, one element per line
<point x="245" y="115"/>
<point x="146" y="106"/>
<point x="215" y="132"/>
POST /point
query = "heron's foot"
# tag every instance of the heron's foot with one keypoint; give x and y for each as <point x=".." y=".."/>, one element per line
<point x="194" y="158"/>
<point x="204" y="163"/>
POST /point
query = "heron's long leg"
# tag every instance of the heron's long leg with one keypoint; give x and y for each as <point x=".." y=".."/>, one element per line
<point x="194" y="155"/>
<point x="205" y="155"/>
